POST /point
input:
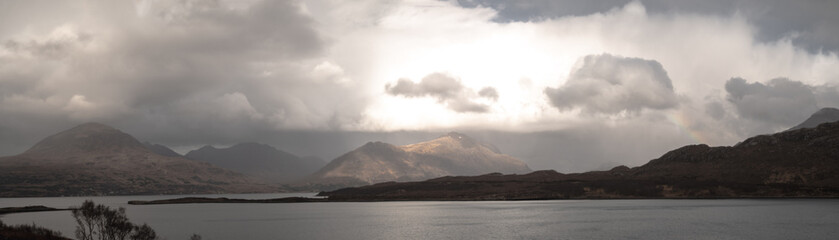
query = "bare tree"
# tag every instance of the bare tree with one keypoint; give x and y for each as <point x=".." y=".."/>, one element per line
<point x="86" y="216"/>
<point x="100" y="222"/>
<point x="117" y="225"/>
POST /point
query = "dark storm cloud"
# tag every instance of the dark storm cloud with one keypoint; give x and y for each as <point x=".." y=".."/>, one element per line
<point x="446" y="89"/>
<point x="265" y="31"/>
<point x="810" y="24"/>
<point x="780" y="101"/>
<point x="715" y="110"/>
<point x="204" y="48"/>
<point x="168" y="70"/>
<point x="826" y="96"/>
<point x="612" y="84"/>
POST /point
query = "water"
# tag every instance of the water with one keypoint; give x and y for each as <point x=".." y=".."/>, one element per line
<point x="563" y="219"/>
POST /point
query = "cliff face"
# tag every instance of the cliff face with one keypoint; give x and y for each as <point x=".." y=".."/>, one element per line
<point x="449" y="155"/>
<point x="95" y="159"/>
<point x="797" y="163"/>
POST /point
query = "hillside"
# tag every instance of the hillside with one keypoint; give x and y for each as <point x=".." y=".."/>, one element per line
<point x="824" y="115"/>
<point x="259" y="161"/>
<point x="453" y="154"/>
<point x="96" y="159"/>
<point x="161" y="150"/>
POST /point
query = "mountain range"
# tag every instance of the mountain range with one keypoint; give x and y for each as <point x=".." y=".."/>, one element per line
<point x="258" y="160"/>
<point x="96" y="159"/>
<point x="803" y="162"/>
<point x="453" y="154"/>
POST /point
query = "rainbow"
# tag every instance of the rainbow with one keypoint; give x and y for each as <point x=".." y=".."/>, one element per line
<point x="678" y="119"/>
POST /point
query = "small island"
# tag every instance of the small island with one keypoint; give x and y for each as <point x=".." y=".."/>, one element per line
<point x="38" y="208"/>
<point x="226" y="200"/>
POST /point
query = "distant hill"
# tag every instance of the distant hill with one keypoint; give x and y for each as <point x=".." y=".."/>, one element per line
<point x="824" y="115"/>
<point x="449" y="155"/>
<point x="796" y="163"/>
<point x="259" y="161"/>
<point x="161" y="150"/>
<point x="96" y="159"/>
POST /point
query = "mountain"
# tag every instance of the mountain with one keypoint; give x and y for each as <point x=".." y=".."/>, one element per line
<point x="96" y="159"/>
<point x="824" y="115"/>
<point x="161" y="150"/>
<point x="258" y="160"/>
<point x="796" y="163"/>
<point x="448" y="155"/>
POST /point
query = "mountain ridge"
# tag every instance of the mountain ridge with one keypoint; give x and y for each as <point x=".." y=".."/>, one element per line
<point x="823" y="115"/>
<point x="450" y="154"/>
<point x="258" y="160"/>
<point x="161" y="150"/>
<point x="96" y="159"/>
<point x="87" y="137"/>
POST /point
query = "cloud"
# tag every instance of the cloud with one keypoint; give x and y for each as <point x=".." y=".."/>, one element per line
<point x="446" y="89"/>
<point x="826" y="95"/>
<point x="186" y="73"/>
<point x="610" y="84"/>
<point x="715" y="110"/>
<point x="780" y="101"/>
<point x="489" y="92"/>
<point x="809" y="25"/>
<point x="170" y="69"/>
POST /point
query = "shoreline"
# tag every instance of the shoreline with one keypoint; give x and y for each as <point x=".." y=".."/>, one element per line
<point x="199" y="200"/>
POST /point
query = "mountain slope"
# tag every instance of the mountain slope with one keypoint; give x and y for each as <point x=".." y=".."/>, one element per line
<point x="95" y="159"/>
<point x="451" y="154"/>
<point x="161" y="150"/>
<point x="797" y="163"/>
<point x="258" y="160"/>
<point x="808" y="156"/>
<point x="824" y="115"/>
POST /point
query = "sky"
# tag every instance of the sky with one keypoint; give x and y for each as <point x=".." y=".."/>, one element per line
<point x="565" y="85"/>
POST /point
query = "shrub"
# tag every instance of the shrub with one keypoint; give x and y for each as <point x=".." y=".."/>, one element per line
<point x="28" y="232"/>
